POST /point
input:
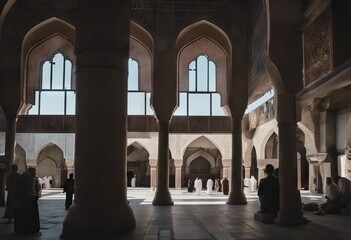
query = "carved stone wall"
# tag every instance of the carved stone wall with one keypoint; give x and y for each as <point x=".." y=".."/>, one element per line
<point x="317" y="48"/>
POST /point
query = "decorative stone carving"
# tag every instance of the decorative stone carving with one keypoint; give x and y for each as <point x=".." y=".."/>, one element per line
<point x="317" y="45"/>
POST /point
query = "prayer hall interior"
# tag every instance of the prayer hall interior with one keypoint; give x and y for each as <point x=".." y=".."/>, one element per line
<point x="168" y="91"/>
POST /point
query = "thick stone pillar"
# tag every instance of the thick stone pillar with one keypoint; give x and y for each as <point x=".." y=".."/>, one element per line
<point x="162" y="196"/>
<point x="153" y="173"/>
<point x="236" y="195"/>
<point x="178" y="173"/>
<point x="290" y="203"/>
<point x="9" y="155"/>
<point x="102" y="51"/>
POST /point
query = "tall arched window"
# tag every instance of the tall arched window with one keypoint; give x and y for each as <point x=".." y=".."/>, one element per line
<point x="138" y="101"/>
<point x="202" y="98"/>
<point x="55" y="95"/>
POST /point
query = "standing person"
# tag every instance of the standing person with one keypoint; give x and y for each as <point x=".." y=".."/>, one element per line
<point x="209" y="186"/>
<point x="26" y="204"/>
<point x="198" y="186"/>
<point x="68" y="188"/>
<point x="190" y="185"/>
<point x="11" y="182"/>
<point x="225" y="184"/>
<point x="133" y="181"/>
<point x="268" y="192"/>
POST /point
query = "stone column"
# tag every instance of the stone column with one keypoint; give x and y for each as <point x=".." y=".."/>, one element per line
<point x="178" y="173"/>
<point x="9" y="154"/>
<point x="153" y="173"/>
<point x="290" y="203"/>
<point x="236" y="195"/>
<point x="162" y="196"/>
<point x="102" y="51"/>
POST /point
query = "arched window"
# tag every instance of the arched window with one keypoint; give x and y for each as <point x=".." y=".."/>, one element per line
<point x="138" y="101"/>
<point x="55" y="95"/>
<point x="202" y="98"/>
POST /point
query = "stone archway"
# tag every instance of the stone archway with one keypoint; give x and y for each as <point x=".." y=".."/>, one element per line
<point x="271" y="150"/>
<point x="138" y="164"/>
<point x="50" y="162"/>
<point x="201" y="159"/>
<point x="20" y="158"/>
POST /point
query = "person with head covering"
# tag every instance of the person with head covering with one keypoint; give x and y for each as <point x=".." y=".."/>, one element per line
<point x="26" y="204"/>
<point x="11" y="183"/>
<point x="209" y="186"/>
<point x="268" y="192"/>
<point x="225" y="185"/>
<point x="133" y="181"/>
<point x="198" y="186"/>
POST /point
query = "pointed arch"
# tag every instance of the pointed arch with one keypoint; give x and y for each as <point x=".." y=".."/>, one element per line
<point x="206" y="139"/>
<point x="40" y="43"/>
<point x="310" y="144"/>
<point x="20" y="158"/>
<point x="204" y="38"/>
<point x="50" y="162"/>
<point x="201" y="153"/>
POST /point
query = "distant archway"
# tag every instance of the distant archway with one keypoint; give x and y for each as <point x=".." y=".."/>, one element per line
<point x="271" y="150"/>
<point x="20" y="158"/>
<point x="138" y="165"/>
<point x="50" y="162"/>
<point x="253" y="167"/>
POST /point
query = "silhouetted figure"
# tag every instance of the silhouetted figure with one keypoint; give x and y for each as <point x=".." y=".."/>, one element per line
<point x="190" y="186"/>
<point x="26" y="204"/>
<point x="68" y="188"/>
<point x="11" y="183"/>
<point x="225" y="186"/>
<point x="268" y="192"/>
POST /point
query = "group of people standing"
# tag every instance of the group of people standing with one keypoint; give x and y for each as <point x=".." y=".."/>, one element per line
<point x="217" y="186"/>
<point x="23" y="192"/>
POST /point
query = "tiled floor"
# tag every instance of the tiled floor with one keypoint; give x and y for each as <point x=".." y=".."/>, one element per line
<point x="192" y="217"/>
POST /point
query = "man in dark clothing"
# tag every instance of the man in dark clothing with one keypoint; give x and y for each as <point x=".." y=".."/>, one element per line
<point x="225" y="184"/>
<point x="26" y="204"/>
<point x="11" y="183"/>
<point x="68" y="188"/>
<point x="268" y="192"/>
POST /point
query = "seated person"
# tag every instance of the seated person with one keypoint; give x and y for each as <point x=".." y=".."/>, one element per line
<point x="345" y="191"/>
<point x="268" y="192"/>
<point x="332" y="194"/>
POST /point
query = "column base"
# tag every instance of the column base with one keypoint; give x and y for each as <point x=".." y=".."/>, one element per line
<point x="162" y="198"/>
<point x="290" y="222"/>
<point x="97" y="221"/>
<point x="236" y="199"/>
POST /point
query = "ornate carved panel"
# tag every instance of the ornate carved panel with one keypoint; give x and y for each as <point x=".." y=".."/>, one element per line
<point x="317" y="48"/>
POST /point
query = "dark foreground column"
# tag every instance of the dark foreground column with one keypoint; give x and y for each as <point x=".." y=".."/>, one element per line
<point x="100" y="207"/>
<point x="236" y="196"/>
<point x="162" y="196"/>
<point x="290" y="205"/>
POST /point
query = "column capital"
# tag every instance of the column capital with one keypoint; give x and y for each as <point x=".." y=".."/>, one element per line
<point x="226" y="162"/>
<point x="153" y="162"/>
<point x="178" y="163"/>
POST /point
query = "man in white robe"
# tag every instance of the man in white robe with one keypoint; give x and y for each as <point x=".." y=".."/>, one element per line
<point x="198" y="186"/>
<point x="209" y="186"/>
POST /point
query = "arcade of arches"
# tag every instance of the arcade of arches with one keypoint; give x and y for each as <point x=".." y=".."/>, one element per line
<point x="169" y="101"/>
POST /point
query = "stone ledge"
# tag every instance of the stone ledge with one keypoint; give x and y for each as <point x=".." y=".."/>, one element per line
<point x="265" y="217"/>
